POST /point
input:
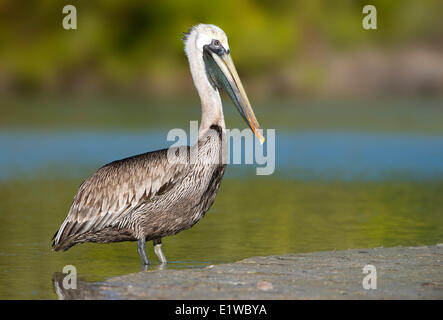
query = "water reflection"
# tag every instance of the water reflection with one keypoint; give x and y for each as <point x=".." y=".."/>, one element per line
<point x="87" y="290"/>
<point x="330" y="191"/>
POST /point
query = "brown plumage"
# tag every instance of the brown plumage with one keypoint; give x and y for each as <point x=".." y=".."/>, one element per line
<point x="144" y="195"/>
<point x="153" y="195"/>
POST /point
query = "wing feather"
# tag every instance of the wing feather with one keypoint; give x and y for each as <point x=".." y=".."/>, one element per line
<point x="115" y="190"/>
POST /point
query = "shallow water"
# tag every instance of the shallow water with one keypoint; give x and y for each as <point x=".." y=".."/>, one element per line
<point x="331" y="190"/>
<point x="301" y="155"/>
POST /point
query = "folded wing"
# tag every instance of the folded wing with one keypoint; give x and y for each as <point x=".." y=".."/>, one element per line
<point x="115" y="190"/>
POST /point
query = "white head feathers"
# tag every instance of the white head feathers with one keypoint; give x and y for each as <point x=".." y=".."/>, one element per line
<point x="201" y="35"/>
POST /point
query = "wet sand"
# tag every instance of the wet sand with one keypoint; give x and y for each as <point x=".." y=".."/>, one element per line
<point x="401" y="273"/>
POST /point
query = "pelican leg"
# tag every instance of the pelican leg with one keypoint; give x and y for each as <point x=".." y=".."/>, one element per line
<point x="141" y="247"/>
<point x="158" y="250"/>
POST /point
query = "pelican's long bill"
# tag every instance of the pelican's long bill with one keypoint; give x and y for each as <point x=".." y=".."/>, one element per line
<point x="222" y="72"/>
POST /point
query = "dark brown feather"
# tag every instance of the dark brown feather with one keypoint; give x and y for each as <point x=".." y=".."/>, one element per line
<point x="115" y="190"/>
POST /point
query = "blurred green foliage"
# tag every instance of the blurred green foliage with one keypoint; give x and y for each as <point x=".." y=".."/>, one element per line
<point x="136" y="43"/>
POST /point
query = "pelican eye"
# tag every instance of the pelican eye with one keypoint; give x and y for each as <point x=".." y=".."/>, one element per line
<point x="215" y="46"/>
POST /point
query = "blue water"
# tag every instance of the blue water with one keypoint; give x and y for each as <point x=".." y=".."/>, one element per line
<point x="360" y="156"/>
<point x="299" y="155"/>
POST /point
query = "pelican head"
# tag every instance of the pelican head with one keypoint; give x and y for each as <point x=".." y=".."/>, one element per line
<point x="207" y="48"/>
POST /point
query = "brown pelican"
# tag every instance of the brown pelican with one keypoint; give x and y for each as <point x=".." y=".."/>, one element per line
<point x="148" y="196"/>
